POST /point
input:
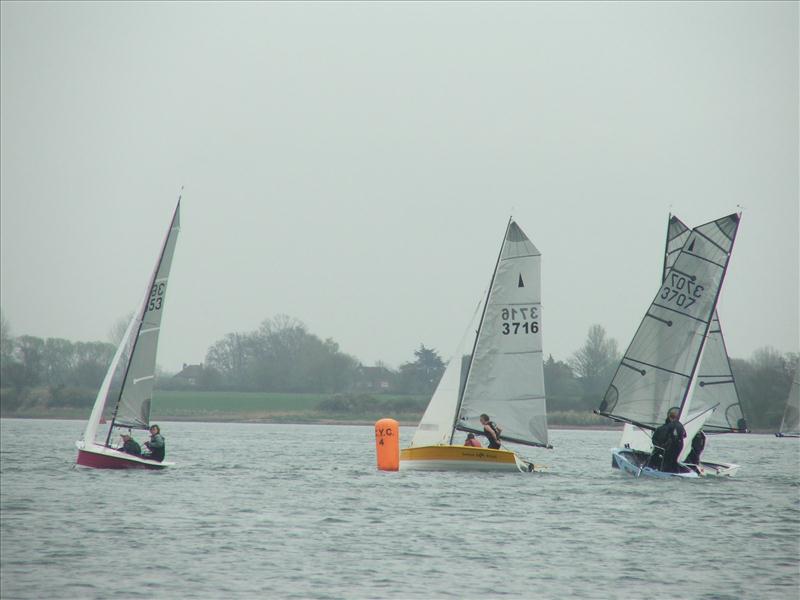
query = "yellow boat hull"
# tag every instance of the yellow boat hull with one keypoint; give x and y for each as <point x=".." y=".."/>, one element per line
<point x="461" y="458"/>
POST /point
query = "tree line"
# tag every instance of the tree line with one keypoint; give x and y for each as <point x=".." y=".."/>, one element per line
<point x="282" y="355"/>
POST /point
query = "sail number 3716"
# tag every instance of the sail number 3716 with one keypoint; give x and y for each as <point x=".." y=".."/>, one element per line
<point x="519" y="320"/>
<point x="681" y="291"/>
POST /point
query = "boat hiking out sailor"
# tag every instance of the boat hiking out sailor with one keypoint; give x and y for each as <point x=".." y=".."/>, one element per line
<point x="492" y="431"/>
<point x="156" y="444"/>
<point x="668" y="443"/>
<point x="472" y="441"/>
<point x="130" y="445"/>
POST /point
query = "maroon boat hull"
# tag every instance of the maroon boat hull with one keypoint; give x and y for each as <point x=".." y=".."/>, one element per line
<point x="105" y="461"/>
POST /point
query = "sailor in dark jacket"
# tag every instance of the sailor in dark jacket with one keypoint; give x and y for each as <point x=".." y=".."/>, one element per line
<point x="130" y="445"/>
<point x="669" y="438"/>
<point x="156" y="445"/>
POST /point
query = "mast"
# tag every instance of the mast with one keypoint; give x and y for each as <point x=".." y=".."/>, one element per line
<point x="710" y="317"/>
<point x="477" y="334"/>
<point x="142" y="312"/>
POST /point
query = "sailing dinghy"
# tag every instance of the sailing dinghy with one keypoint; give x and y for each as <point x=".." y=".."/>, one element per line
<point x="501" y="375"/>
<point x="714" y="387"/>
<point x="790" y="425"/>
<point x="126" y="392"/>
<point x="659" y="370"/>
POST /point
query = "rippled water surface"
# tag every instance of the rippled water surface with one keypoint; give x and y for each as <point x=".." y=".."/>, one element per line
<point x="294" y="511"/>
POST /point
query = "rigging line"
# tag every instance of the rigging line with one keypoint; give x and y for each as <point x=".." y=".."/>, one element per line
<point x="619" y="419"/>
<point x="477" y="333"/>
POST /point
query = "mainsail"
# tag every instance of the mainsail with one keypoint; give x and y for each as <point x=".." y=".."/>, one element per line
<point x="127" y="389"/>
<point x="660" y="365"/>
<point x="505" y="378"/>
<point x="715" y="385"/>
<point x="790" y="425"/>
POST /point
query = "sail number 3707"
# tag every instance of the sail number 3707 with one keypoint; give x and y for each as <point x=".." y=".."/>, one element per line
<point x="519" y="320"/>
<point x="681" y="291"/>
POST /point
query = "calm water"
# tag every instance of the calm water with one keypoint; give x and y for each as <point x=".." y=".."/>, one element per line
<point x="292" y="511"/>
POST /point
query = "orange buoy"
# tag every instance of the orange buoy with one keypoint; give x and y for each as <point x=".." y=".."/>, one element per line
<point x="387" y="444"/>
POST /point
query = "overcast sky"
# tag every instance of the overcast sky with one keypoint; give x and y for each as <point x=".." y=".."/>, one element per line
<point x="354" y="165"/>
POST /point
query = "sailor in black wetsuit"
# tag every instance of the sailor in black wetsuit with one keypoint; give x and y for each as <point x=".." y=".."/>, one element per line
<point x="669" y="439"/>
<point x="492" y="432"/>
<point x="698" y="444"/>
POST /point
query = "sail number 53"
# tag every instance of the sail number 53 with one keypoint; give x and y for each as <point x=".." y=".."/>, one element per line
<point x="681" y="291"/>
<point x="520" y="320"/>
<point x="156" y="296"/>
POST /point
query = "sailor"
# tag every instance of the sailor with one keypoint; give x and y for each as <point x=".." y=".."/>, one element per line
<point x="156" y="445"/>
<point x="472" y="441"/>
<point x="492" y="432"/>
<point x="130" y="445"/>
<point x="668" y="439"/>
<point x="698" y="445"/>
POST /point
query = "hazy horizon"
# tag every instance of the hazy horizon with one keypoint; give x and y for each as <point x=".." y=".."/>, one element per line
<point x="354" y="165"/>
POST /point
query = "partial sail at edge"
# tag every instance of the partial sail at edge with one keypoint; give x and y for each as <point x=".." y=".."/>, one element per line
<point x="790" y="425"/>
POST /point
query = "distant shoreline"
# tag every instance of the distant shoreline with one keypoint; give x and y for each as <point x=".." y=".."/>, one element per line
<point x="282" y="420"/>
<point x="288" y="420"/>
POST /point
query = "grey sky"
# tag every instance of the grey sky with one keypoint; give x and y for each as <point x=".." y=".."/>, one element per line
<point x="354" y="165"/>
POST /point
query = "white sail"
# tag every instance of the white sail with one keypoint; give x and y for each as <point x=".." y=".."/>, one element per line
<point x="506" y="376"/>
<point x="677" y="233"/>
<point x="103" y="394"/>
<point x="127" y="389"/>
<point x="790" y="425"/>
<point x="693" y="423"/>
<point x="661" y="362"/>
<point x="715" y="385"/>
<point x="436" y="426"/>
